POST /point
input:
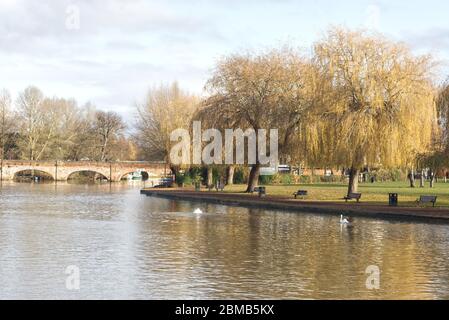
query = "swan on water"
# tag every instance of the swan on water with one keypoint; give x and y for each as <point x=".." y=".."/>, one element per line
<point x="198" y="211"/>
<point x="345" y="220"/>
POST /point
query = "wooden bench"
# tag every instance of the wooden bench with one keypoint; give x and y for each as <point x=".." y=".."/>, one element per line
<point x="427" y="199"/>
<point x="262" y="191"/>
<point x="353" y="196"/>
<point x="301" y="193"/>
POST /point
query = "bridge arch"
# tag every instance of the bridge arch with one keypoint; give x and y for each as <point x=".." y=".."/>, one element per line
<point x="145" y="175"/>
<point x="31" y="173"/>
<point x="87" y="174"/>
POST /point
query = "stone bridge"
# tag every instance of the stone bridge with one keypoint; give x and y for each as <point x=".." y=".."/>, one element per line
<point x="62" y="170"/>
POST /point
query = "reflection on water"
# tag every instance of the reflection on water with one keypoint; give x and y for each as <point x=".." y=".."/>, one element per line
<point x="133" y="247"/>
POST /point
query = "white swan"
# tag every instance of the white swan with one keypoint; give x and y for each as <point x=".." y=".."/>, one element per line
<point x="198" y="211"/>
<point x="345" y="221"/>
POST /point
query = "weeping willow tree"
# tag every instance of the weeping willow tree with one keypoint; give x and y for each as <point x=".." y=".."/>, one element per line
<point x="437" y="158"/>
<point x="443" y="115"/>
<point x="260" y="91"/>
<point x="376" y="105"/>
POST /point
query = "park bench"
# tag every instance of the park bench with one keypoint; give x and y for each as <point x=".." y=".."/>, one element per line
<point x="262" y="191"/>
<point x="427" y="199"/>
<point x="301" y="193"/>
<point x="353" y="196"/>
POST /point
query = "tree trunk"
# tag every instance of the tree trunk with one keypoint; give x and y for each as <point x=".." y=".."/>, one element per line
<point x="353" y="180"/>
<point x="175" y="171"/>
<point x="102" y="153"/>
<point x="432" y="179"/>
<point x="411" y="177"/>
<point x="230" y="176"/>
<point x="421" y="181"/>
<point x="104" y="149"/>
<point x="253" y="180"/>
<point x="210" y="176"/>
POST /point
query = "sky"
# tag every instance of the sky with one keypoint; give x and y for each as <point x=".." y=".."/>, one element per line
<point x="110" y="52"/>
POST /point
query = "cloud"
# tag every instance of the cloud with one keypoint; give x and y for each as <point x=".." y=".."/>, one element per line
<point x="435" y="38"/>
<point x="120" y="48"/>
<point x="373" y="14"/>
<point x="124" y="46"/>
<point x="434" y="41"/>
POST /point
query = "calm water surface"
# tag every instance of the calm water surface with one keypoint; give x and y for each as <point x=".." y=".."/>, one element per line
<point x="129" y="246"/>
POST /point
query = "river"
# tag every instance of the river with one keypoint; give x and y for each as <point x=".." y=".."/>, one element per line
<point x="128" y="246"/>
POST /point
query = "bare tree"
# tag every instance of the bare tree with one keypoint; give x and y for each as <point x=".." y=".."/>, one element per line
<point x="83" y="144"/>
<point x="58" y="129"/>
<point x="48" y="126"/>
<point x="33" y="122"/>
<point x="6" y="123"/>
<point x="107" y="127"/>
<point x="165" y="109"/>
<point x="6" y="126"/>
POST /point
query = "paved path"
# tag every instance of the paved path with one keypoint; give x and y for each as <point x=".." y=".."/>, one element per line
<point x="283" y="203"/>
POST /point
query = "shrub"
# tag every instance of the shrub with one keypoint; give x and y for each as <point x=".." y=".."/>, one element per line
<point x="188" y="180"/>
<point x="280" y="179"/>
<point x="184" y="179"/>
<point x="240" y="176"/>
<point x="330" y="179"/>
<point x="287" y="179"/>
<point x="265" y="180"/>
<point x="305" y="180"/>
<point x="388" y="175"/>
<point x="196" y="175"/>
<point x="180" y="179"/>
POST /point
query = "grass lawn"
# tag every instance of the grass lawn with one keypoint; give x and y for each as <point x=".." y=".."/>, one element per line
<point x="376" y="193"/>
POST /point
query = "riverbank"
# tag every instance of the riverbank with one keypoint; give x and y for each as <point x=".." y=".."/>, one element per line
<point x="289" y="204"/>
<point x="372" y="193"/>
